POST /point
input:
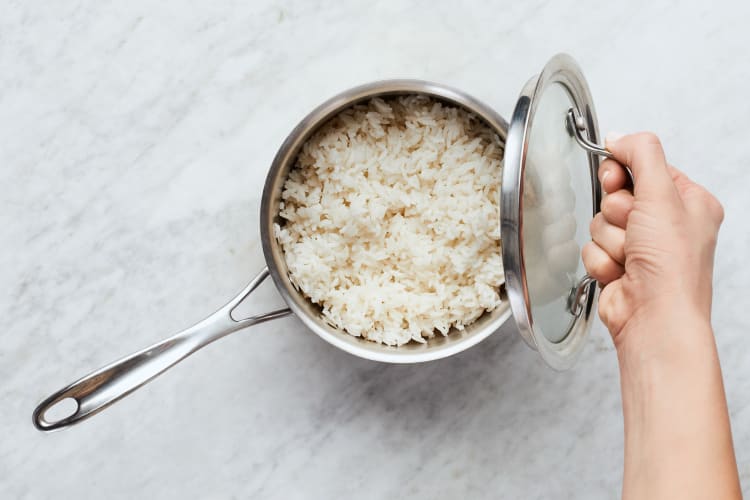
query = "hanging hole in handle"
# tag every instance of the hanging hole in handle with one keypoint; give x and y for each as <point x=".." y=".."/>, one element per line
<point x="61" y="410"/>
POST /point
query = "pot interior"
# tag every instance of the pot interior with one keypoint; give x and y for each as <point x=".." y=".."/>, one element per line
<point x="438" y="347"/>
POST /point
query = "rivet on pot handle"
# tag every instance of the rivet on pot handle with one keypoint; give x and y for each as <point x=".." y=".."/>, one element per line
<point x="98" y="390"/>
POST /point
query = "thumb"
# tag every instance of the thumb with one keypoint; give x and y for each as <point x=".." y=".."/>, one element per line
<point x="643" y="153"/>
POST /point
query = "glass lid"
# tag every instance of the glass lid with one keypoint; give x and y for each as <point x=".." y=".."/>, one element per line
<point x="550" y="193"/>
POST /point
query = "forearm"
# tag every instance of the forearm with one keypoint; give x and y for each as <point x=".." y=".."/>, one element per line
<point x="677" y="374"/>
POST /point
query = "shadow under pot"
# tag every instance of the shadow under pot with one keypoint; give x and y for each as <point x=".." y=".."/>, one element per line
<point x="549" y="194"/>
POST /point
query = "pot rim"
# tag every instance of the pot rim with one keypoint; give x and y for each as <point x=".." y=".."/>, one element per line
<point x="435" y="348"/>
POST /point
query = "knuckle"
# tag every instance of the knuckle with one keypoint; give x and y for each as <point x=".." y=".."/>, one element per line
<point x="617" y="201"/>
<point x="720" y="212"/>
<point x="599" y="266"/>
<point x="650" y="139"/>
<point x="603" y="309"/>
<point x="586" y="251"/>
<point x="710" y="205"/>
<point x="715" y="208"/>
<point x="588" y="254"/>
<point x="601" y="273"/>
<point x="597" y="223"/>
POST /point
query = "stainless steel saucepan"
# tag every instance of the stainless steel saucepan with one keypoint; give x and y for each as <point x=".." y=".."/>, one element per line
<point x="551" y="304"/>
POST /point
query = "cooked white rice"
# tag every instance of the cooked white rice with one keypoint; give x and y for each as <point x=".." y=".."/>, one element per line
<point x="392" y="219"/>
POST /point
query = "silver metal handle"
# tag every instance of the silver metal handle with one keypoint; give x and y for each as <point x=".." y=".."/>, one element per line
<point x="575" y="125"/>
<point x="578" y="294"/>
<point x="98" y="390"/>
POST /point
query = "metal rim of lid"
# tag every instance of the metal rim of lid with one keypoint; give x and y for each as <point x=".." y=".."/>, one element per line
<point x="561" y="69"/>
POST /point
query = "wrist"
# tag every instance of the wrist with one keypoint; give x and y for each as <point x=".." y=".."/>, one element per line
<point x="673" y="319"/>
<point x="663" y="339"/>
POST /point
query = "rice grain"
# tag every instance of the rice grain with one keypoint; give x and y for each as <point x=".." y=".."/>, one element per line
<point x="391" y="219"/>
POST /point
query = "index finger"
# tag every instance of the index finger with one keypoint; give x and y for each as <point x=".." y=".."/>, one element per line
<point x="612" y="176"/>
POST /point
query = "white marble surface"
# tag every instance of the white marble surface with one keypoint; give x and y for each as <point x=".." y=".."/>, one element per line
<point x="135" y="137"/>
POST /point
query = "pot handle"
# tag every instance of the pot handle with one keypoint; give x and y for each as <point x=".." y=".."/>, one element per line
<point x="99" y="389"/>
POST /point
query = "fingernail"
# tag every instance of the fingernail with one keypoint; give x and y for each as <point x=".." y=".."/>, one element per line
<point x="604" y="178"/>
<point x="612" y="137"/>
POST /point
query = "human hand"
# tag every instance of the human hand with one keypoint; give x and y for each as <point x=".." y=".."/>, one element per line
<point x="652" y="250"/>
